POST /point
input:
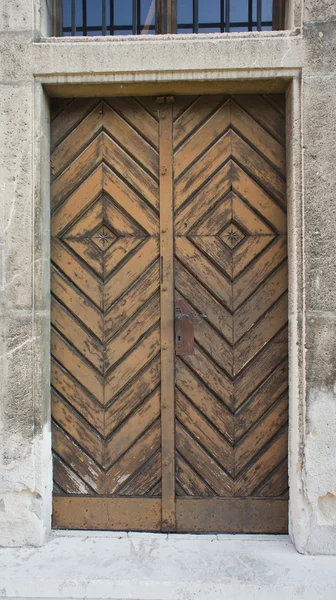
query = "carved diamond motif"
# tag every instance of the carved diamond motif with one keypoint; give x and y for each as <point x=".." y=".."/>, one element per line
<point x="103" y="238"/>
<point x="231" y="235"/>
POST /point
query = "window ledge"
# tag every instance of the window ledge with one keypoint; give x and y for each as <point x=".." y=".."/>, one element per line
<point x="232" y="35"/>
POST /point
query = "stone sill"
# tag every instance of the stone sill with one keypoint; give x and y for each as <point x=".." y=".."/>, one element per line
<point x="201" y="37"/>
<point x="140" y="566"/>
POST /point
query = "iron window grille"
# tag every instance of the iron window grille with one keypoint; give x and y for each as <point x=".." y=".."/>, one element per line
<point x="136" y="17"/>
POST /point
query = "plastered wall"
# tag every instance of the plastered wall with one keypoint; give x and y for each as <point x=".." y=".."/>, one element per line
<point x="302" y="61"/>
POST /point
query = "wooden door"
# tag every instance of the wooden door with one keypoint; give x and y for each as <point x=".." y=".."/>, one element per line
<point x="151" y="195"/>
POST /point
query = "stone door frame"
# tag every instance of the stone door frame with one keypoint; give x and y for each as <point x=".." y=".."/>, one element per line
<point x="258" y="81"/>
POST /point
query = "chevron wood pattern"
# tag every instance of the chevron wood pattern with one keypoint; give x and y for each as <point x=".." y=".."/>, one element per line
<point x="105" y="299"/>
<point x="138" y="442"/>
<point x="231" y="265"/>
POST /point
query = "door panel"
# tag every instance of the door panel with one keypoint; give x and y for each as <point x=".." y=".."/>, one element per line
<point x="105" y="310"/>
<point x="230" y="265"/>
<point x="154" y="199"/>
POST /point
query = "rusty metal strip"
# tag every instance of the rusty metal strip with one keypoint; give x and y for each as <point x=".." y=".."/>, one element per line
<point x="167" y="314"/>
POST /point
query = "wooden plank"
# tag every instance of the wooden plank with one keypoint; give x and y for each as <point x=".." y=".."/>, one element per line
<point x="101" y="513"/>
<point x="131" y="301"/>
<point x="269" y="178"/>
<point x="133" y="332"/>
<point x="133" y="396"/>
<point x="216" y="478"/>
<point x="73" y="175"/>
<point x="138" y="117"/>
<point x="125" y="165"/>
<point x="128" y="274"/>
<point x="267" y="294"/>
<point x="260" y="335"/>
<point x="87" y="376"/>
<point x="71" y="115"/>
<point x="215" y="219"/>
<point x="190" y="482"/>
<point x="86" y="468"/>
<point x="261" y="434"/>
<point x="201" y="139"/>
<point x="167" y="315"/>
<point x="264" y="397"/>
<point x="268" y="460"/>
<point x="75" y="271"/>
<point x="207" y="403"/>
<point x="195" y="177"/>
<point x="119" y="253"/>
<point x="218" y="253"/>
<point x="232" y="515"/>
<point x="123" y="469"/>
<point x="70" y="329"/>
<point x="144" y="480"/>
<point x="277" y="484"/>
<point x="203" y="269"/>
<point x="260" y="269"/>
<point x="258" y="199"/>
<point x="128" y="138"/>
<point x="145" y="351"/>
<point x="259" y="108"/>
<point x="77" y="303"/>
<point x="247" y="251"/>
<point x="207" y="435"/>
<point x="211" y="375"/>
<point x="121" y="223"/>
<point x="76" y="140"/>
<point x="70" y="389"/>
<point x="132" y="429"/>
<point x="131" y="202"/>
<point x="68" y="480"/>
<point x="190" y="120"/>
<point x="204" y="302"/>
<point x="260" y="369"/>
<point x="258" y="137"/>
<point x="252" y="222"/>
<point x="78" y="429"/>
<point x="77" y="202"/>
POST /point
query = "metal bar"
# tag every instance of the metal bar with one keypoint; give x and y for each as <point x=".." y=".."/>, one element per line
<point x="73" y="17"/>
<point x="195" y="16"/>
<point x="134" y="17"/>
<point x="104" y="17"/>
<point x="227" y="15"/>
<point x="111" y="17"/>
<point x="84" y="7"/>
<point x="250" y="15"/>
<point x="222" y="17"/>
<point x="165" y="111"/>
<point x="259" y="15"/>
<point x="139" y="16"/>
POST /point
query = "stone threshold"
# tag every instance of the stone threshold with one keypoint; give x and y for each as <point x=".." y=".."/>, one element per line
<point x="145" y="566"/>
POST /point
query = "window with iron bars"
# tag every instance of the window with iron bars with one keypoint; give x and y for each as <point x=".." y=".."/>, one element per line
<point x="136" y="17"/>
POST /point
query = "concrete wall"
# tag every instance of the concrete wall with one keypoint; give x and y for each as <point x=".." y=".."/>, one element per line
<point x="303" y="61"/>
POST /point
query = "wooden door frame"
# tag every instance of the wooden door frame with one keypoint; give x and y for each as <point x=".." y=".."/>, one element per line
<point x="166" y="226"/>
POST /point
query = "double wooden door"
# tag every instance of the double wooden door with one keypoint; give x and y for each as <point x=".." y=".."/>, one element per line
<point x="157" y="204"/>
